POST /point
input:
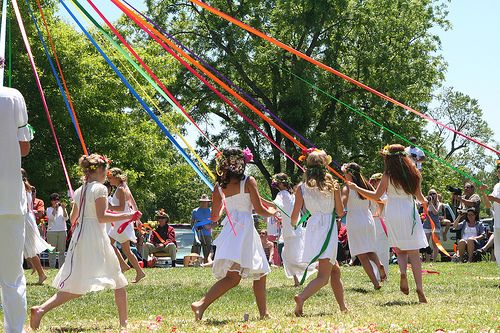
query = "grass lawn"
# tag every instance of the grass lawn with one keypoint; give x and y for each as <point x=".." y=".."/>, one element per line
<point x="462" y="298"/>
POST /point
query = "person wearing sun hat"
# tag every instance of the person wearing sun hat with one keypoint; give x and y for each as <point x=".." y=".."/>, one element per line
<point x="162" y="239"/>
<point x="202" y="227"/>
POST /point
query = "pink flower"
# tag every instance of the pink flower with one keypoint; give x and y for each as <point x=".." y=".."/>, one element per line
<point x="158" y="319"/>
<point x="247" y="155"/>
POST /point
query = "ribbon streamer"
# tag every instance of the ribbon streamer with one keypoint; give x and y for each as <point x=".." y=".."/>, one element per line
<point x="3" y="32"/>
<point x="40" y="89"/>
<point x="364" y="115"/>
<point x="64" y="91"/>
<point x="335" y="72"/>
<point x="149" y="30"/>
<point x="137" y="215"/>
<point x="151" y="78"/>
<point x="433" y="227"/>
<point x="139" y="99"/>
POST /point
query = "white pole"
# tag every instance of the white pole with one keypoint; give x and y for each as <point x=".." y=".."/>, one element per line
<point x="3" y="30"/>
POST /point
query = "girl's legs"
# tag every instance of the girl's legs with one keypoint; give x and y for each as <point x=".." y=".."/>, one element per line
<point x="123" y="265"/>
<point x="37" y="265"/>
<point x="471" y="247"/>
<point x="139" y="273"/>
<point x="462" y="244"/>
<point x="324" y="272"/>
<point x="337" y="287"/>
<point x="259" y="290"/>
<point x="428" y="235"/>
<point x="367" y="266"/>
<point x="373" y="256"/>
<point x="231" y="280"/>
<point x="37" y="312"/>
<point x="416" y="267"/>
<point x="403" y="264"/>
<point x="121" y="304"/>
<point x="296" y="281"/>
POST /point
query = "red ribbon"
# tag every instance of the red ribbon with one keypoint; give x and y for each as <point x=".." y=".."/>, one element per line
<point x="137" y="215"/>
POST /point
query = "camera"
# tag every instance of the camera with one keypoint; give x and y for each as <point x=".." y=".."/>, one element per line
<point x="454" y="190"/>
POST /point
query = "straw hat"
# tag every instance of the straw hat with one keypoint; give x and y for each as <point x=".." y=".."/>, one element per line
<point x="204" y="198"/>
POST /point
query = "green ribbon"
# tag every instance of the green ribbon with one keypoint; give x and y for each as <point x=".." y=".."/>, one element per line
<point x="323" y="247"/>
<point x="364" y="115"/>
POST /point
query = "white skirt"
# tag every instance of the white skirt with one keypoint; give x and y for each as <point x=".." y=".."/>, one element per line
<point x="292" y="254"/>
<point x="242" y="253"/>
<point x="404" y="226"/>
<point x="360" y="232"/>
<point x="34" y="244"/>
<point x="127" y="235"/>
<point x="91" y="263"/>
<point x="317" y="229"/>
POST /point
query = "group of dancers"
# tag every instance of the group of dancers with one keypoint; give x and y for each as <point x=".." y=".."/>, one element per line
<point x="92" y="264"/>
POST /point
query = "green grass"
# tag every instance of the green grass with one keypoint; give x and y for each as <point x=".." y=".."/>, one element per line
<point x="462" y="298"/>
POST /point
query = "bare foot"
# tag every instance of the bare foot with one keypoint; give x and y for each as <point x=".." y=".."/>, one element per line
<point x="403" y="284"/>
<point x="299" y="304"/>
<point x="198" y="310"/>
<point x="421" y="296"/>
<point x="36" y="317"/>
<point x="265" y="316"/>
<point x="296" y="281"/>
<point x="125" y="268"/>
<point x="344" y="309"/>
<point x="41" y="279"/>
<point x="139" y="276"/>
<point x="377" y="286"/>
<point x="383" y="274"/>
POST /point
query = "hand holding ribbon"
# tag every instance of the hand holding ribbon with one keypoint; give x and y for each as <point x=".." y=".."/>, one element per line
<point x="136" y="216"/>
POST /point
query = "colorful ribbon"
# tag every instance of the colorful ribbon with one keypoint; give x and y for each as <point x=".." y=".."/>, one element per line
<point x="3" y="33"/>
<point x="333" y="71"/>
<point x="140" y="100"/>
<point x="146" y="27"/>
<point x="64" y="91"/>
<point x="152" y="78"/>
<point x="364" y="115"/>
<point x="40" y="89"/>
<point x="137" y="215"/>
<point x="433" y="227"/>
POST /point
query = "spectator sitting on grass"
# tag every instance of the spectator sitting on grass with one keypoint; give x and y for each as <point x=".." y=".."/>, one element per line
<point x="472" y="233"/>
<point x="267" y="245"/>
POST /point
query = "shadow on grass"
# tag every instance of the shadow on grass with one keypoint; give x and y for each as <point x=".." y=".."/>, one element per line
<point x="359" y="290"/>
<point x="69" y="329"/>
<point x="399" y="303"/>
<point x="216" y="322"/>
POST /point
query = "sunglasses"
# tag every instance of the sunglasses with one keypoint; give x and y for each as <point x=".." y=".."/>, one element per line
<point x="433" y="194"/>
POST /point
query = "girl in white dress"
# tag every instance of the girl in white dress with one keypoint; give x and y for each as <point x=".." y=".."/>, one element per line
<point x="34" y="244"/>
<point x="91" y="263"/>
<point x="123" y="202"/>
<point x="293" y="238"/>
<point x="401" y="180"/>
<point x="239" y="250"/>
<point x="381" y="239"/>
<point x="360" y="224"/>
<point x="320" y="194"/>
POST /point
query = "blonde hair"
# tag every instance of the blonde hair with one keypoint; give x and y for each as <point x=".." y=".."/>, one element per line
<point x="118" y="173"/>
<point x="316" y="174"/>
<point x="90" y="163"/>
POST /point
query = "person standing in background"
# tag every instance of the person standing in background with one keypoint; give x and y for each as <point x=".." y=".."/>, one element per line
<point x="56" y="229"/>
<point x="202" y="227"/>
<point x="15" y="137"/>
<point x="415" y="154"/>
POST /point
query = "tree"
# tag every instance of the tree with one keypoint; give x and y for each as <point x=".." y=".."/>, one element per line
<point x="386" y="44"/>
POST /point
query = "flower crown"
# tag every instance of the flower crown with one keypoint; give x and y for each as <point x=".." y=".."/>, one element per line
<point x="275" y="181"/>
<point x="386" y="152"/>
<point x="345" y="168"/>
<point x="101" y="159"/>
<point x="308" y="151"/>
<point x="235" y="163"/>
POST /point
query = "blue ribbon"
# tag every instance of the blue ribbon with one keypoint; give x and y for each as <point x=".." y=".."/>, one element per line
<point x="141" y="101"/>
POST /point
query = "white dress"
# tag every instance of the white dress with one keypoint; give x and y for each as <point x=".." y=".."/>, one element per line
<point x="360" y="225"/>
<point x="128" y="234"/>
<point x="243" y="252"/>
<point x="381" y="239"/>
<point x="91" y="263"/>
<point x="34" y="244"/>
<point x="321" y="206"/>
<point x="293" y="239"/>
<point x="404" y="227"/>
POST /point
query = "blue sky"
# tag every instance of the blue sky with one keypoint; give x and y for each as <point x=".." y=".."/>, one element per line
<point x="471" y="48"/>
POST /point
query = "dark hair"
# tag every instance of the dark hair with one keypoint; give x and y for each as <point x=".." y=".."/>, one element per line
<point x="401" y="170"/>
<point x="230" y="165"/>
<point x="54" y="196"/>
<point x="282" y="178"/>
<point x="357" y="178"/>
<point x="27" y="185"/>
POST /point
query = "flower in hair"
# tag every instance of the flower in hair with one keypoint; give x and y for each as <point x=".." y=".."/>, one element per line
<point x="386" y="152"/>
<point x="247" y="155"/>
